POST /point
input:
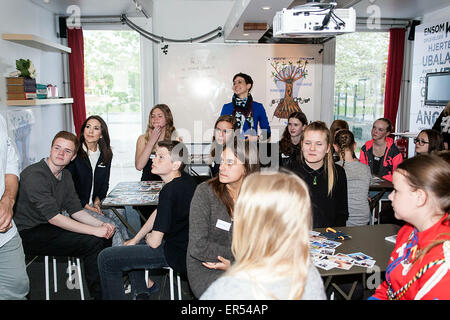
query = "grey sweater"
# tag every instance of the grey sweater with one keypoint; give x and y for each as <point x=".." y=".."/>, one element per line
<point x="242" y="288"/>
<point x="358" y="181"/>
<point x="206" y="239"/>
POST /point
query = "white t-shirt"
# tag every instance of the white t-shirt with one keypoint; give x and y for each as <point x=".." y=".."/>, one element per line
<point x="9" y="164"/>
<point x="93" y="158"/>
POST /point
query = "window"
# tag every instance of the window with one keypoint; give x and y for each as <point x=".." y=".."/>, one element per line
<point x="360" y="76"/>
<point x="113" y="91"/>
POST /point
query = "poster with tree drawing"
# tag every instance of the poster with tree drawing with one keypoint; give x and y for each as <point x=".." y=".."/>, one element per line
<point x="290" y="86"/>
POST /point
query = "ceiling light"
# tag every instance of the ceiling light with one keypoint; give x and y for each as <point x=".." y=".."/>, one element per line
<point x="245" y="34"/>
<point x="266" y="8"/>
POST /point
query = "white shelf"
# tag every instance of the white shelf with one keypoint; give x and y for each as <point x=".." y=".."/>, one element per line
<point x="36" y="42"/>
<point x="38" y="102"/>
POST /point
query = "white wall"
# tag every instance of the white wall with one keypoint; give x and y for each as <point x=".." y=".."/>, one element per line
<point x="428" y="56"/>
<point x="21" y="16"/>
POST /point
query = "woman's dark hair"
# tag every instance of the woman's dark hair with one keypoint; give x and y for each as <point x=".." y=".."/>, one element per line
<point x="285" y="142"/>
<point x="435" y="140"/>
<point x="337" y="125"/>
<point x="248" y="156"/>
<point x="246" y="77"/>
<point x="103" y="143"/>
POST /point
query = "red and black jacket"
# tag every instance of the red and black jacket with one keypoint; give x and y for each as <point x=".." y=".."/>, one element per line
<point x="392" y="158"/>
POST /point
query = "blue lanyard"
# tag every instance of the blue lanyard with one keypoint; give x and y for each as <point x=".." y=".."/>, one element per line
<point x="412" y="241"/>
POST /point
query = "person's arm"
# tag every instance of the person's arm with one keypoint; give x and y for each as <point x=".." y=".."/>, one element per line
<point x="144" y="150"/>
<point x="104" y="230"/>
<point x="146" y="228"/>
<point x="264" y="125"/>
<point x="7" y="201"/>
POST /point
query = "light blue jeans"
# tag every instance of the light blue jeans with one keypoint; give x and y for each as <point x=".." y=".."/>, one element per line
<point x="14" y="282"/>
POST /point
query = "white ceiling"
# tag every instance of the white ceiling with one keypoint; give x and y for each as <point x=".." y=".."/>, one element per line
<point x="249" y="10"/>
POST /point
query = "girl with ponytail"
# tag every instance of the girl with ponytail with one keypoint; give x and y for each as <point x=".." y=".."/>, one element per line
<point x="358" y="178"/>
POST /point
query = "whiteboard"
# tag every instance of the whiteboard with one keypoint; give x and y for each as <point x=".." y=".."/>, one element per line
<point x="195" y="80"/>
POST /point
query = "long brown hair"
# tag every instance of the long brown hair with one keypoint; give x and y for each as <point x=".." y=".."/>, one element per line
<point x="430" y="173"/>
<point x="328" y="161"/>
<point x="169" y="129"/>
<point x="224" y="118"/>
<point x="104" y="142"/>
<point x="345" y="140"/>
<point x="286" y="142"/>
<point x="248" y="156"/>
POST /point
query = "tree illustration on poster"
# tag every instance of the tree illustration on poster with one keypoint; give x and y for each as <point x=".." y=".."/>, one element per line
<point x="288" y="73"/>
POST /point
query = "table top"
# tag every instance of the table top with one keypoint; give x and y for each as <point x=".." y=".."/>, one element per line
<point x="378" y="184"/>
<point x="134" y="193"/>
<point x="366" y="239"/>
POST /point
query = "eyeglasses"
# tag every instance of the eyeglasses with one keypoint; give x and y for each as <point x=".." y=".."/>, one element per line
<point x="420" y="142"/>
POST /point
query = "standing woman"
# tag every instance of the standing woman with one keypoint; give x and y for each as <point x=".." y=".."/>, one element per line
<point x="211" y="216"/>
<point x="442" y="125"/>
<point x="247" y="113"/>
<point x="428" y="140"/>
<point x="270" y="243"/>
<point x="419" y="264"/>
<point x="380" y="153"/>
<point x="327" y="182"/>
<point x="160" y="127"/>
<point x="289" y="144"/>
<point x="358" y="178"/>
<point x="222" y="131"/>
<point x="91" y="171"/>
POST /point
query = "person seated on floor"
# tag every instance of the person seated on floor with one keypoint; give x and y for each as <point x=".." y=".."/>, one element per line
<point x="90" y="172"/>
<point x="272" y="220"/>
<point x="165" y="232"/>
<point x="46" y="190"/>
<point x="419" y="265"/>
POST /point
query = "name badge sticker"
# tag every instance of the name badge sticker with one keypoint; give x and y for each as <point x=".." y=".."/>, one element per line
<point x="223" y="225"/>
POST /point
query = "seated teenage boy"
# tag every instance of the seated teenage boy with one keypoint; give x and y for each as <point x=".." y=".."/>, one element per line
<point x="166" y="231"/>
<point x="46" y="190"/>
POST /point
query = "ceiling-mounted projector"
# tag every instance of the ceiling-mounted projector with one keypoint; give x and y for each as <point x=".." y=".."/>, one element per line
<point x="313" y="20"/>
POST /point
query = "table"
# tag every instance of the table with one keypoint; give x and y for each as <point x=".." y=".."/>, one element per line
<point x="133" y="193"/>
<point x="382" y="186"/>
<point x="367" y="239"/>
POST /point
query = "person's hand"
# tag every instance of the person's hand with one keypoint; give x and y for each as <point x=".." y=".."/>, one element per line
<point x="224" y="264"/>
<point x="130" y="242"/>
<point x="93" y="208"/>
<point x="97" y="208"/>
<point x="154" y="135"/>
<point x="6" y="214"/>
<point x="106" y="230"/>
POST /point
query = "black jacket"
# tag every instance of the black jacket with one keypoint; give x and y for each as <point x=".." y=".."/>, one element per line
<point x="82" y="178"/>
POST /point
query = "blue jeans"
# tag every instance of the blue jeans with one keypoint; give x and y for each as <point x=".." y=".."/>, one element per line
<point x="114" y="261"/>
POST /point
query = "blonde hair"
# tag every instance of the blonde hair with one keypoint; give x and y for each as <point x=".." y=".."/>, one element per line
<point x="272" y="219"/>
<point x="169" y="129"/>
<point x="328" y="161"/>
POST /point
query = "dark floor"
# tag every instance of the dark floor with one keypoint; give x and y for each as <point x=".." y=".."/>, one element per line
<point x="68" y="290"/>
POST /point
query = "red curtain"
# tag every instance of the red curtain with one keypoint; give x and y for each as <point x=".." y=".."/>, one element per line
<point x="394" y="73"/>
<point x="76" y="69"/>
